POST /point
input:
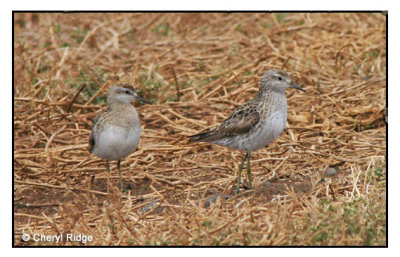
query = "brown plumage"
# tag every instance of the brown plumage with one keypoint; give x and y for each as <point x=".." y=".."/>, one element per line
<point x="241" y="121"/>
<point x="92" y="141"/>
<point x="255" y="124"/>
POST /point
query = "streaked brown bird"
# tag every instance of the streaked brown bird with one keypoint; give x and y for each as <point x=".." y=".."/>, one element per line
<point x="255" y="124"/>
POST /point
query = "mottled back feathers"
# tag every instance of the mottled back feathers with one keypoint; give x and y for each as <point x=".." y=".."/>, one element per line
<point x="240" y="122"/>
<point x="92" y="139"/>
<point x="270" y="99"/>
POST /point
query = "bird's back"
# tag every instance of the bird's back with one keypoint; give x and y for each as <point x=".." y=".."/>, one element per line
<point x="251" y="126"/>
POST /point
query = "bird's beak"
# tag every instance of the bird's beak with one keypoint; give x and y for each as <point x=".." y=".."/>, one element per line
<point x="138" y="97"/>
<point x="297" y="87"/>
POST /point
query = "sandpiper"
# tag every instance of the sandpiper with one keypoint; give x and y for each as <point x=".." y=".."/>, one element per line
<point x="256" y="123"/>
<point x="116" y="131"/>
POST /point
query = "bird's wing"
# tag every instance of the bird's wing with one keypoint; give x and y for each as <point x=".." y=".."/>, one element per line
<point x="92" y="142"/>
<point x="92" y="138"/>
<point x="240" y="122"/>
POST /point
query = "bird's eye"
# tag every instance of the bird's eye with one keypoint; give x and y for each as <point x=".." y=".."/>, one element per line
<point x="128" y="92"/>
<point x="279" y="78"/>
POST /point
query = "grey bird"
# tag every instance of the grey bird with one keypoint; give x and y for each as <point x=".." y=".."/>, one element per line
<point x="116" y="131"/>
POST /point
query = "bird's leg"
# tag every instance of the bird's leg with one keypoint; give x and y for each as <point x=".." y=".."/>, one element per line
<point x="108" y="176"/>
<point x="119" y="171"/>
<point x="249" y="170"/>
<point x="108" y="167"/>
<point x="240" y="175"/>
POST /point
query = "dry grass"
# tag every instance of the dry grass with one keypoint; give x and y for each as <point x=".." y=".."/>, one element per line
<point x="196" y="68"/>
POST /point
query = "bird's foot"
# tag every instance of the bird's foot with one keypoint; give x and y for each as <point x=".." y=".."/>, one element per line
<point x="246" y="186"/>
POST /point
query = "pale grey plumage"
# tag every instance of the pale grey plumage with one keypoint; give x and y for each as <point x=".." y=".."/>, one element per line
<point x="116" y="131"/>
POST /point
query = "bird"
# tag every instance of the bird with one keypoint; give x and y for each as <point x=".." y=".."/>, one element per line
<point x="255" y="124"/>
<point x="116" y="132"/>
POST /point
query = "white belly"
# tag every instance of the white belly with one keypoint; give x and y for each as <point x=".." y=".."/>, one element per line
<point x="115" y="143"/>
<point x="259" y="137"/>
<point x="271" y="129"/>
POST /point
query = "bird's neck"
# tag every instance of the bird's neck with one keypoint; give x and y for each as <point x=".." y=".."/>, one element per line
<point x="119" y="106"/>
<point x="268" y="94"/>
<point x="124" y="115"/>
<point x="272" y="98"/>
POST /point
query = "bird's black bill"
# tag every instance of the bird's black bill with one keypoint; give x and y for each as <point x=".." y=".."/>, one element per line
<point x="297" y="87"/>
<point x="143" y="100"/>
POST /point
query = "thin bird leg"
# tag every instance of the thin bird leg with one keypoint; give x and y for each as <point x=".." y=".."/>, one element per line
<point x="108" y="176"/>
<point x="240" y="175"/>
<point x="249" y="170"/>
<point x="119" y="171"/>
<point x="108" y="166"/>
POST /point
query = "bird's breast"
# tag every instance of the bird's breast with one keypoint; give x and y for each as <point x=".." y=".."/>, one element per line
<point x="117" y="142"/>
<point x="268" y="129"/>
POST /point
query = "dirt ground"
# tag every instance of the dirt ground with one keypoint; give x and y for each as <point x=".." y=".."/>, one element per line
<point x="322" y="182"/>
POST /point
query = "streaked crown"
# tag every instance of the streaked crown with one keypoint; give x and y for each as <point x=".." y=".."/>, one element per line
<point x="124" y="93"/>
<point x="277" y="80"/>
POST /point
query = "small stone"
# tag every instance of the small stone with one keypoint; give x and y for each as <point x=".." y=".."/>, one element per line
<point x="267" y="183"/>
<point x="330" y="172"/>
<point x="148" y="207"/>
<point x="213" y="199"/>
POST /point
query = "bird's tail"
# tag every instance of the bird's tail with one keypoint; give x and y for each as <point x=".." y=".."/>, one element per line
<point x="198" y="137"/>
